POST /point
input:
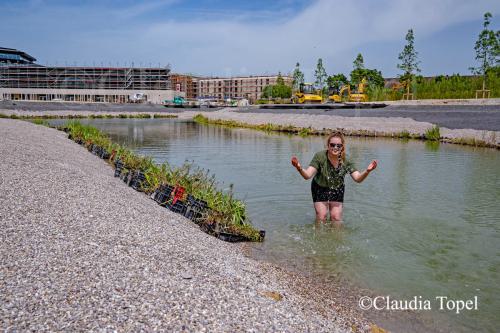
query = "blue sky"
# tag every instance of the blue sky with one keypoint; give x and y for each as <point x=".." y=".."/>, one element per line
<point x="224" y="38"/>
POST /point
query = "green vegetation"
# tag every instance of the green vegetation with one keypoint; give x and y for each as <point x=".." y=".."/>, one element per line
<point x="432" y="134"/>
<point x="164" y="115"/>
<point x="336" y="81"/>
<point x="404" y="135"/>
<point x="375" y="81"/>
<point x="409" y="58"/>
<point x="320" y="75"/>
<point x="225" y="212"/>
<point x="372" y="76"/>
<point x="262" y="127"/>
<point x="409" y="64"/>
<point x="278" y="90"/>
<point x="443" y="87"/>
<point x="42" y="122"/>
<point x="298" y="77"/>
<point x="486" y="79"/>
<point x="487" y="51"/>
<point x="469" y="142"/>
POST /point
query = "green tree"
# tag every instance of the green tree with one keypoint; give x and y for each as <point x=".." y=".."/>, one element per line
<point x="409" y="60"/>
<point x="336" y="81"/>
<point x="298" y="77"/>
<point x="320" y="74"/>
<point x="373" y="76"/>
<point x="359" y="62"/>
<point x="359" y="71"/>
<point x="282" y="91"/>
<point x="280" y="80"/>
<point x="278" y="90"/>
<point x="267" y="92"/>
<point x="487" y="50"/>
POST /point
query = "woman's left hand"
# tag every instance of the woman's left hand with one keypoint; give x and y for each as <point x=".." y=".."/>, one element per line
<point x="372" y="166"/>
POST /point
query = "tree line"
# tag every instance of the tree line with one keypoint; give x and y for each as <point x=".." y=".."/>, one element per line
<point x="487" y="49"/>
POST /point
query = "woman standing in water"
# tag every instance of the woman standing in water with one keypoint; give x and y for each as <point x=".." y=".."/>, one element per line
<point x="329" y="167"/>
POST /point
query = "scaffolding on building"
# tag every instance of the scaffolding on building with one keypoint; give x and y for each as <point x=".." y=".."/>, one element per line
<point x="40" y="77"/>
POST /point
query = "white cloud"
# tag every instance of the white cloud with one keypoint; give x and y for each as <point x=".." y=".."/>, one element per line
<point x="325" y="29"/>
<point x="223" y="45"/>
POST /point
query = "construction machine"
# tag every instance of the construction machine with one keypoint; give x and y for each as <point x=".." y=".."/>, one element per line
<point x="177" y="102"/>
<point x="307" y="94"/>
<point x="358" y="96"/>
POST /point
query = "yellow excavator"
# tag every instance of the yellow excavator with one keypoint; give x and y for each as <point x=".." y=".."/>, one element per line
<point x="358" y="96"/>
<point x="307" y="94"/>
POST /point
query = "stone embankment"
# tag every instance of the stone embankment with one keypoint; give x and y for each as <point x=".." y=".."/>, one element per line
<point x="81" y="251"/>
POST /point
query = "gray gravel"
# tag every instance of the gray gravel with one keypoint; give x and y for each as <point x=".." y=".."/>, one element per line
<point x="478" y="117"/>
<point x="80" y="251"/>
<point x="40" y="106"/>
<point x="383" y="125"/>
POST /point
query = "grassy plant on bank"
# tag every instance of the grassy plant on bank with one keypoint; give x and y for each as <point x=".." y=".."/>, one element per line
<point x="228" y="213"/>
<point x="268" y="127"/>
<point x="159" y="115"/>
<point x="469" y="142"/>
<point x="42" y="122"/>
<point x="404" y="134"/>
<point x="432" y="134"/>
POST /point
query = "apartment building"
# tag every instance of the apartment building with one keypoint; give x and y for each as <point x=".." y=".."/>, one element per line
<point x="185" y="83"/>
<point x="249" y="87"/>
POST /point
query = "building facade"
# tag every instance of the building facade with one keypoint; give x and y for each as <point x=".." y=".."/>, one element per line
<point x="249" y="87"/>
<point x="22" y="79"/>
<point x="185" y="83"/>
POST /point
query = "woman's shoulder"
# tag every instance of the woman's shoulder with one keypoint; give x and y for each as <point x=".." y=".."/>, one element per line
<point x="349" y="163"/>
<point x="320" y="154"/>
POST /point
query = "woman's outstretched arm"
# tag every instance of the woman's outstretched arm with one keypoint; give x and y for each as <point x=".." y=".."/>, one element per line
<point x="305" y="173"/>
<point x="358" y="177"/>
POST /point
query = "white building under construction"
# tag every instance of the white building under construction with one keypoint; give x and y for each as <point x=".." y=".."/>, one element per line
<point x="22" y="79"/>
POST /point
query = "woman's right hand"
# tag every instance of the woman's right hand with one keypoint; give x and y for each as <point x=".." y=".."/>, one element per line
<point x="295" y="162"/>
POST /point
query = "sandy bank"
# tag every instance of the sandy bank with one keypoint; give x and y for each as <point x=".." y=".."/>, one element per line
<point x="82" y="251"/>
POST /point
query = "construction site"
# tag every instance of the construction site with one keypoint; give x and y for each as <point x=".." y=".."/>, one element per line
<point x="22" y="79"/>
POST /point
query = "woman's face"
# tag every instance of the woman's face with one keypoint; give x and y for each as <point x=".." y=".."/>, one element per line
<point x="335" y="146"/>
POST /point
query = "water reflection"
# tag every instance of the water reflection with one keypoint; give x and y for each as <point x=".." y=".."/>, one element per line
<point x="432" y="145"/>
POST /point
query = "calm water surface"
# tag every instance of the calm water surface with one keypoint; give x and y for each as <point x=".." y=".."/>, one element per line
<point x="425" y="223"/>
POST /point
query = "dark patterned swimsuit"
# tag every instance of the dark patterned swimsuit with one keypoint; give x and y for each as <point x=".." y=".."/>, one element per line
<point x="324" y="194"/>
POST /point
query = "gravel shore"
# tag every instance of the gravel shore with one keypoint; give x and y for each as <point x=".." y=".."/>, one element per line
<point x="349" y="124"/>
<point x="82" y="251"/>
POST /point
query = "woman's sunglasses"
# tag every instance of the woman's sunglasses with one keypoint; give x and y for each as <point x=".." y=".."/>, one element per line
<point x="336" y="145"/>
